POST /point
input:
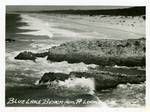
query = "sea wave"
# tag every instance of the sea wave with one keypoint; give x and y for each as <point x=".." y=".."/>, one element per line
<point x="80" y="85"/>
<point x="42" y="65"/>
<point x="124" y="95"/>
<point x="41" y="27"/>
<point x="37" y="26"/>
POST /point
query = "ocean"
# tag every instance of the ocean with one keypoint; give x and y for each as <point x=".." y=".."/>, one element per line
<point x="39" y="32"/>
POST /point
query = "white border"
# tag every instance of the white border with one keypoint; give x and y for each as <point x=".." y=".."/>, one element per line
<point x="148" y="57"/>
<point x="2" y="55"/>
<point x="69" y="2"/>
<point x="77" y="2"/>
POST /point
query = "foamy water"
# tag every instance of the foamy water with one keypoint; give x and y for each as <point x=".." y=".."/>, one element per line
<point x="55" y="28"/>
<point x="41" y="27"/>
<point x="42" y="65"/>
<point x="126" y="95"/>
<point x="38" y="26"/>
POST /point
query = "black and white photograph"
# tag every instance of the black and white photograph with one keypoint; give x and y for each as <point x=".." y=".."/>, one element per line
<point x="75" y="56"/>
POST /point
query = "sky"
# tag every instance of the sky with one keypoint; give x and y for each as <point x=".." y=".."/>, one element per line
<point x="39" y="8"/>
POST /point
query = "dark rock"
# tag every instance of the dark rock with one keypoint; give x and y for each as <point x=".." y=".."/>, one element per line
<point x="9" y="40"/>
<point x="103" y="52"/>
<point x="26" y="56"/>
<point x="53" y="77"/>
<point x="103" y="79"/>
<point x="41" y="54"/>
<point x="144" y="17"/>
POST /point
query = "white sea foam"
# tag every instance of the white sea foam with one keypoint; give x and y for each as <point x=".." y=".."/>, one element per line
<point x="42" y="65"/>
<point x="42" y="47"/>
<point x="133" y="95"/>
<point x="38" y="26"/>
<point x="81" y="86"/>
<point x="63" y="67"/>
<point x="86" y="84"/>
<point x="43" y="27"/>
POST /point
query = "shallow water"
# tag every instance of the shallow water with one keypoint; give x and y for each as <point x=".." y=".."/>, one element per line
<point x="37" y="33"/>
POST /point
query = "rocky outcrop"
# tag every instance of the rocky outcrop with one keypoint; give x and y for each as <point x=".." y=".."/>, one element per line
<point x="103" y="79"/>
<point x="53" y="77"/>
<point x="26" y="56"/>
<point x="8" y="40"/>
<point x="103" y="52"/>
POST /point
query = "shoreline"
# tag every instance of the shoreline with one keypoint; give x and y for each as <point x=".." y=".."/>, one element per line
<point x="135" y="25"/>
<point x="131" y="54"/>
<point x="126" y="57"/>
<point x="103" y="52"/>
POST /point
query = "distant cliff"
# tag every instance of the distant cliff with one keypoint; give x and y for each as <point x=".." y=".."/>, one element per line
<point x="133" y="11"/>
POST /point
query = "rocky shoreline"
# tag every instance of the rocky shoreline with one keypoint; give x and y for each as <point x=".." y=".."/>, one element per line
<point x="103" y="79"/>
<point x="130" y="53"/>
<point x="103" y="52"/>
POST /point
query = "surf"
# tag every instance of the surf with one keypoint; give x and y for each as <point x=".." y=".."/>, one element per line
<point x="37" y="27"/>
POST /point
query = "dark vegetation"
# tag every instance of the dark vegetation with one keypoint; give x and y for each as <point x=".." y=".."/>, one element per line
<point x="133" y="11"/>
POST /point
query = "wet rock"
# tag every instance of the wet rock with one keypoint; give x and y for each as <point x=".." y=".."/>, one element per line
<point x="103" y="79"/>
<point x="41" y="54"/>
<point x="8" y="40"/>
<point x="104" y="52"/>
<point x="53" y="77"/>
<point x="26" y="56"/>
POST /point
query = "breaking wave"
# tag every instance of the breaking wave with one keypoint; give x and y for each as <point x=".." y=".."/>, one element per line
<point x="41" y="66"/>
<point x="37" y="26"/>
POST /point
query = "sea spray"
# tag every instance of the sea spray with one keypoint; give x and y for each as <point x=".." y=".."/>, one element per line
<point x="86" y="85"/>
<point x="39" y="67"/>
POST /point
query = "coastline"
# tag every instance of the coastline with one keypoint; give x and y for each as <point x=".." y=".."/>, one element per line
<point x="104" y="52"/>
<point x="128" y="54"/>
